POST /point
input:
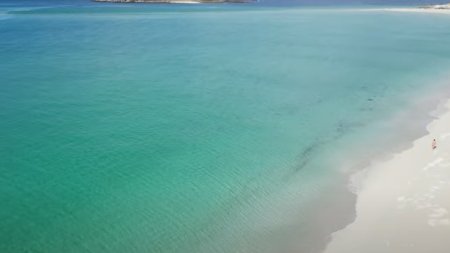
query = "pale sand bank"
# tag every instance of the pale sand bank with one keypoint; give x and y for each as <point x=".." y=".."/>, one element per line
<point x="416" y="10"/>
<point x="404" y="203"/>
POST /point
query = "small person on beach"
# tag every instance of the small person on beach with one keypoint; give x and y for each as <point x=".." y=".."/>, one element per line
<point x="433" y="144"/>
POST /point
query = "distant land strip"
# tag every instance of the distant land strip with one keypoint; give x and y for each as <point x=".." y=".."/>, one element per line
<point x="176" y="1"/>
<point x="436" y="7"/>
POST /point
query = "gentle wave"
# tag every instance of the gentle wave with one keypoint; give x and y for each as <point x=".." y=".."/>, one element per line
<point x="4" y="16"/>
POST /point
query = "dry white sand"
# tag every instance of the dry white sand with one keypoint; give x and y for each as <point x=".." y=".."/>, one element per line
<point x="417" y="10"/>
<point x="404" y="203"/>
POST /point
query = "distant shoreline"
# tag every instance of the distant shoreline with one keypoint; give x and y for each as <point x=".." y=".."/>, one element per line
<point x="439" y="8"/>
<point x="419" y="10"/>
<point x="176" y="1"/>
<point x="436" y="7"/>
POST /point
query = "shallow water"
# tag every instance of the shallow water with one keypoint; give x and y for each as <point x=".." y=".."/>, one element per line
<point x="193" y="129"/>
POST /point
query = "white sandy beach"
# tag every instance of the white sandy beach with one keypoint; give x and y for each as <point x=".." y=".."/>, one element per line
<point x="416" y="10"/>
<point x="403" y="204"/>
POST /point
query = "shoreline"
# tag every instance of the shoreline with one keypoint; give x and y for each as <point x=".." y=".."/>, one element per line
<point x="393" y="135"/>
<point x="175" y="1"/>
<point x="357" y="158"/>
<point x="415" y="10"/>
<point x="407" y="192"/>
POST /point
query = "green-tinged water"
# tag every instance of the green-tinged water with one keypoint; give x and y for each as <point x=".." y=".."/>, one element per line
<point x="191" y="129"/>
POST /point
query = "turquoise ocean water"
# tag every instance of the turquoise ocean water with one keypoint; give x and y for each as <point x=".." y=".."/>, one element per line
<point x="169" y="129"/>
